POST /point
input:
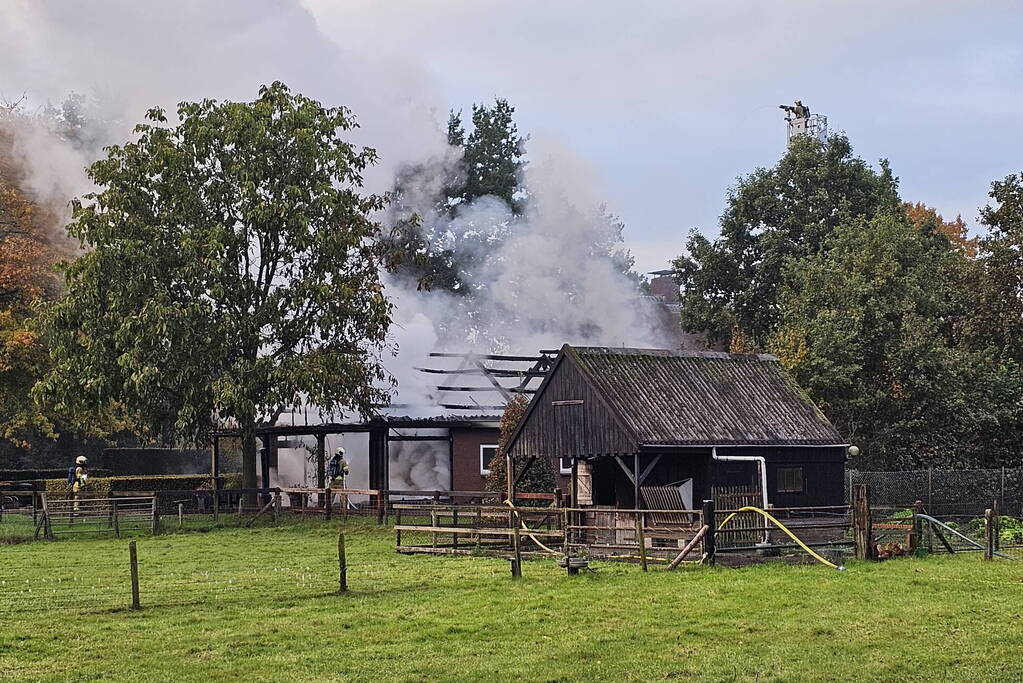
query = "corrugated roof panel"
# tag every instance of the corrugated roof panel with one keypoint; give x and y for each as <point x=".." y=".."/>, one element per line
<point x="688" y="398"/>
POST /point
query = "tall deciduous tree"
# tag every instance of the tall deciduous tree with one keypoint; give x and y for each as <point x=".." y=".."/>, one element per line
<point x="995" y="286"/>
<point x="864" y="329"/>
<point x="231" y="272"/>
<point x="774" y="215"/>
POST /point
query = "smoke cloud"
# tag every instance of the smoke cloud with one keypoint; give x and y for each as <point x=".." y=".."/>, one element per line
<point x="539" y="288"/>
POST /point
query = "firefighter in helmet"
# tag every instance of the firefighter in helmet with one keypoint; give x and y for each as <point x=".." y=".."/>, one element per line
<point x="337" y="468"/>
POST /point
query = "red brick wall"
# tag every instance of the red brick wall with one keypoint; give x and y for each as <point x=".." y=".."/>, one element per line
<point x="465" y="457"/>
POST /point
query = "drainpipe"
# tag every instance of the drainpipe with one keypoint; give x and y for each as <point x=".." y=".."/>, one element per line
<point x="761" y="464"/>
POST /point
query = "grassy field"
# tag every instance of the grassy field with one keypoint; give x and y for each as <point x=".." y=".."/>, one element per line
<point x="260" y="605"/>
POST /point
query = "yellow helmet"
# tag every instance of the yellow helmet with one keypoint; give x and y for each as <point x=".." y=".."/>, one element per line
<point x="81" y="460"/>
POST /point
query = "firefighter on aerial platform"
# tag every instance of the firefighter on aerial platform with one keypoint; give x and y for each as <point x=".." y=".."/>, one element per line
<point x="798" y="110"/>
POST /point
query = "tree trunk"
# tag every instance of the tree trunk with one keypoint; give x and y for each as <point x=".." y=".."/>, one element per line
<point x="248" y="427"/>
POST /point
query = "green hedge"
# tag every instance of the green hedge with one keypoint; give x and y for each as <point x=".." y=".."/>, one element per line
<point x="102" y="486"/>
<point x="36" y="475"/>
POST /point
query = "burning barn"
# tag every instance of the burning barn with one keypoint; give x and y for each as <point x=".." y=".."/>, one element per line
<point x="636" y="424"/>
<point x="444" y="441"/>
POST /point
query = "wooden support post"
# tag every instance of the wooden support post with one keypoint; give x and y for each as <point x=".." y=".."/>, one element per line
<point x="509" y="473"/>
<point x="516" y="568"/>
<point x="344" y="506"/>
<point x="989" y="535"/>
<point x="277" y="507"/>
<point x="863" y="531"/>
<point x="454" y="523"/>
<point x="342" y="564"/>
<point x="181" y="515"/>
<point x="116" y="518"/>
<point x="397" y="528"/>
<point x="689" y="547"/>
<point x="321" y="469"/>
<point x="240" y="498"/>
<point x="434" y="524"/>
<point x="133" y="559"/>
<point x="382" y="499"/>
<point x="709" y="540"/>
<point x="641" y="540"/>
<point x="329" y="496"/>
<point x="156" y="514"/>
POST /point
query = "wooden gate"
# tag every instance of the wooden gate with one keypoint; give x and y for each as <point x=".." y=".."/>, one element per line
<point x="745" y="528"/>
<point x="70" y="515"/>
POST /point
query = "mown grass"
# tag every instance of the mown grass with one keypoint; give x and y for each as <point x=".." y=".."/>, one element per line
<point x="259" y="604"/>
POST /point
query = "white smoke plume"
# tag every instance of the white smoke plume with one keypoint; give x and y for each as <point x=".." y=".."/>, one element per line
<point x="541" y="287"/>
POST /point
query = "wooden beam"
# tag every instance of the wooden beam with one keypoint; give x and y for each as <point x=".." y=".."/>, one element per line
<point x="648" y="469"/>
<point x="628" y="473"/>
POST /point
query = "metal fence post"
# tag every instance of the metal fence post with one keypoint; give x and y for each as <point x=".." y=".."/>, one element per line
<point x="930" y="489"/>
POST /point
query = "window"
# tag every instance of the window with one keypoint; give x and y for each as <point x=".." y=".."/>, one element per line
<point x="487" y="453"/>
<point x="566" y="465"/>
<point x="790" y="480"/>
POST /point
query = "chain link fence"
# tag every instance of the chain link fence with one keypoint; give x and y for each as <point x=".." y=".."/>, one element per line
<point x="944" y="492"/>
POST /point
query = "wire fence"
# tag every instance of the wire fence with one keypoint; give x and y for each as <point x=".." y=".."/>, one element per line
<point x="965" y="493"/>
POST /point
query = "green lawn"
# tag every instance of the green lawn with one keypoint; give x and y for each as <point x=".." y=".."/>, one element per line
<point x="258" y="604"/>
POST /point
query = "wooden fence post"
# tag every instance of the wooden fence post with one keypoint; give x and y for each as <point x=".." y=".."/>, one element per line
<point x="916" y="535"/>
<point x="156" y="515"/>
<point x="216" y="502"/>
<point x="397" y="530"/>
<point x="989" y="535"/>
<point x="329" y="498"/>
<point x="863" y="531"/>
<point x="709" y="540"/>
<point x="641" y="540"/>
<point x="996" y="519"/>
<point x="382" y="498"/>
<point x="342" y="564"/>
<point x="116" y="518"/>
<point x="181" y="515"/>
<point x="47" y="527"/>
<point x="133" y="558"/>
<point x="277" y="507"/>
<point x="516" y="567"/>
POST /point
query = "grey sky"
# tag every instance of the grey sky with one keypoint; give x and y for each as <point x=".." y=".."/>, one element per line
<point x="671" y="101"/>
<point x="667" y="102"/>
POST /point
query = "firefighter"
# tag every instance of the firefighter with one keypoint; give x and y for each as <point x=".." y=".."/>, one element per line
<point x="337" y="468"/>
<point x="78" y="477"/>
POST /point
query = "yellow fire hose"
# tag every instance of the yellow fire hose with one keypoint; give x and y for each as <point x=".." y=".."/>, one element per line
<point x="728" y="519"/>
<point x="808" y="549"/>
<point x="526" y="529"/>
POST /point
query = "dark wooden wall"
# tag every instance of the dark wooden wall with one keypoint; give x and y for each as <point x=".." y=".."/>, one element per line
<point x="566" y="430"/>
<point x="823" y="474"/>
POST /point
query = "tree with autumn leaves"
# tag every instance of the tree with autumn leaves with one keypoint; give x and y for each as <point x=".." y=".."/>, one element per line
<point x="27" y="255"/>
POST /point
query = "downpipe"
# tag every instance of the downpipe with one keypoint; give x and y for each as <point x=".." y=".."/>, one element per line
<point x="761" y="465"/>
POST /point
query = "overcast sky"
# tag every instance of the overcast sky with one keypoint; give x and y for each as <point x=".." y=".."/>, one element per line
<point x="667" y="102"/>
